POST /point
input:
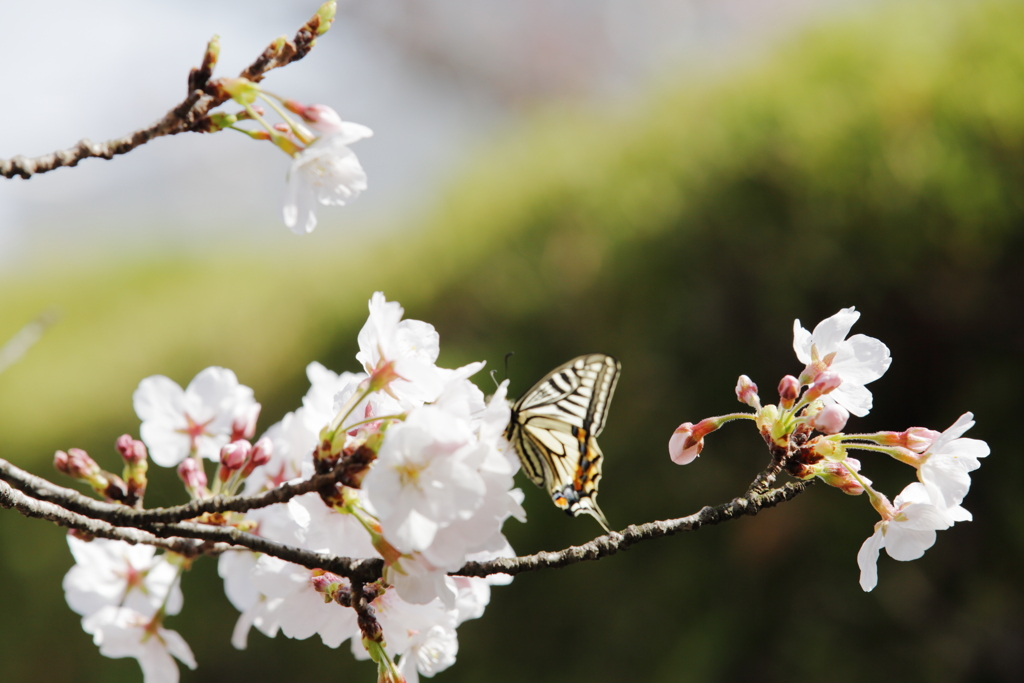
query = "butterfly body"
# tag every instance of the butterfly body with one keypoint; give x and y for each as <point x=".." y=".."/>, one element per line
<point x="554" y="429"/>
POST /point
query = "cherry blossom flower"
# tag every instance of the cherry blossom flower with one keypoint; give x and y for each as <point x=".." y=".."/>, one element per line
<point x="404" y="349"/>
<point x="429" y="652"/>
<point x="906" y="531"/>
<point x="175" y="422"/>
<point x="426" y="475"/>
<point x="327" y="172"/>
<point x="294" y="605"/>
<point x="946" y="465"/>
<point x="123" y="632"/>
<point x="120" y="574"/>
<point x="858" y="360"/>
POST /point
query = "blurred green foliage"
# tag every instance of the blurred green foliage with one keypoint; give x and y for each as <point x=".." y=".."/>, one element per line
<point x="878" y="162"/>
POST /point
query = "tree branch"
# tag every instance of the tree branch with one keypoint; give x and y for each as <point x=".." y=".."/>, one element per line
<point x="189" y="115"/>
<point x="121" y="515"/>
<point x="38" y="509"/>
<point x="366" y="570"/>
<point x="609" y="544"/>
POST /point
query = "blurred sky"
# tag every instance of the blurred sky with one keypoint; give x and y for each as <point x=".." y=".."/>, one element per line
<point x="433" y="78"/>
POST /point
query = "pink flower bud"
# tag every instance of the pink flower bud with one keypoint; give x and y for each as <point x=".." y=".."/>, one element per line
<point x="746" y="392"/>
<point x="681" y="447"/>
<point x="244" y="424"/>
<point x="826" y="382"/>
<point x="80" y="465"/>
<point x="132" y="451"/>
<point x="192" y="474"/>
<point x="322" y="582"/>
<point x="234" y="454"/>
<point x="916" y="439"/>
<point x="789" y="389"/>
<point x="60" y="462"/>
<point x="831" y="419"/>
<point x="262" y="452"/>
<point x="320" y="117"/>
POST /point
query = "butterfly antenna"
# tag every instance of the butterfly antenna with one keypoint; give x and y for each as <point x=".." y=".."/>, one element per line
<point x="507" y="356"/>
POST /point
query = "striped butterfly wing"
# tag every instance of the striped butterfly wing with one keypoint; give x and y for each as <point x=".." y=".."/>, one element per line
<point x="554" y="430"/>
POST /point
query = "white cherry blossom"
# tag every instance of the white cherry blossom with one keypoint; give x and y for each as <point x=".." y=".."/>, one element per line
<point x="906" y="533"/>
<point x="293" y="604"/>
<point x="327" y="172"/>
<point x="946" y="465"/>
<point x="174" y="421"/>
<point x="858" y="360"/>
<point x="426" y="475"/>
<point x="411" y="346"/>
<point x="120" y="574"/>
<point x="123" y="632"/>
<point x="429" y="652"/>
<point x="319" y="405"/>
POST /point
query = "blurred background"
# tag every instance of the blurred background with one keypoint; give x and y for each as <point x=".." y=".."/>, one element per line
<point x="671" y="183"/>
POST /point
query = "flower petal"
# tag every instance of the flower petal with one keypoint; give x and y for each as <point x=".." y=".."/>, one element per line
<point x="831" y="331"/>
<point x="867" y="559"/>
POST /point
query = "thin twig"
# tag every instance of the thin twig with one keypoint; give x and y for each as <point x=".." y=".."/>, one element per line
<point x="189" y="115"/>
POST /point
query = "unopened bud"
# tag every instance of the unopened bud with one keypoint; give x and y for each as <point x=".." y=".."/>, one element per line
<point x="916" y="439"/>
<point x="234" y="454"/>
<point x="192" y="474"/>
<point x="838" y="475"/>
<point x="260" y="455"/>
<point x="322" y="581"/>
<point x="831" y="419"/>
<point x="826" y="382"/>
<point x="262" y="452"/>
<point x="682" y="448"/>
<point x="79" y="464"/>
<point x="326" y="14"/>
<point x="132" y="450"/>
<point x="60" y="462"/>
<point x="766" y="418"/>
<point x="746" y="392"/>
<point x="320" y="117"/>
<point x="789" y="389"/>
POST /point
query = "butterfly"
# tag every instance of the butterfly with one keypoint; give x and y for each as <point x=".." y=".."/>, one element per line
<point x="554" y="429"/>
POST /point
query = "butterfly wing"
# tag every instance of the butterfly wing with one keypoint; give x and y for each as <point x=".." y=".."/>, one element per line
<point x="554" y="430"/>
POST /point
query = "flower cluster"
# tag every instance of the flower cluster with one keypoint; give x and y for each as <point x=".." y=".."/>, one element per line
<point x="425" y="483"/>
<point x="804" y="435"/>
